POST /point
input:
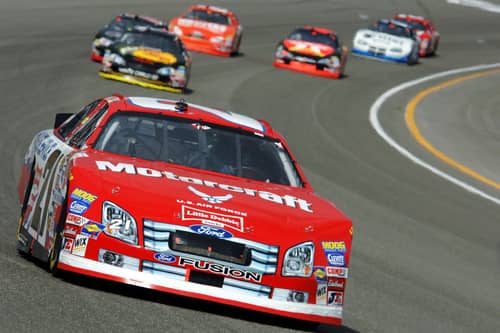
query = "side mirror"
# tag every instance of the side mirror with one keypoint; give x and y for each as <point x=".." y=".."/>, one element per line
<point x="61" y="118"/>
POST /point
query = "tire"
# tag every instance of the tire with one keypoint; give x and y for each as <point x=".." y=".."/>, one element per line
<point x="413" y="58"/>
<point x="57" y="245"/>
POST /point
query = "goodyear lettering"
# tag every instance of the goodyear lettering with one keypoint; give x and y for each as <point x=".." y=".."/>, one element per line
<point x="287" y="200"/>
<point x="220" y="269"/>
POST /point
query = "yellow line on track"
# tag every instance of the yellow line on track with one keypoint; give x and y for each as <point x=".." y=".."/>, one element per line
<point x="412" y="126"/>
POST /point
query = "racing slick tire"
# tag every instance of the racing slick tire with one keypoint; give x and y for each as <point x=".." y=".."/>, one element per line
<point x="57" y="244"/>
<point x="413" y="57"/>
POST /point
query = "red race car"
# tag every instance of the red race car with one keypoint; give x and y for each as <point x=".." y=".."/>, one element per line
<point x="208" y="29"/>
<point x="184" y="199"/>
<point x="312" y="50"/>
<point x="426" y="32"/>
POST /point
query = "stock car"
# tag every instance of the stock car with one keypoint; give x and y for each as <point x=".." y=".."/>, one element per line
<point x="148" y="57"/>
<point x="209" y="29"/>
<point x="112" y="31"/>
<point x="426" y="32"/>
<point x="184" y="199"/>
<point x="312" y="50"/>
<point x="387" y="40"/>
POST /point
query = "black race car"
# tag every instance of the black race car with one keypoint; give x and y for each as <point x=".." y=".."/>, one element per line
<point x="148" y="57"/>
<point x="112" y="31"/>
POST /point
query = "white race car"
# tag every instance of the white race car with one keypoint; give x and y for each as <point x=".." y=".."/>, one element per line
<point x="387" y="40"/>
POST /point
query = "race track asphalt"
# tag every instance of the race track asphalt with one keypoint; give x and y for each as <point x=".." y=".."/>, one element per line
<point x="426" y="252"/>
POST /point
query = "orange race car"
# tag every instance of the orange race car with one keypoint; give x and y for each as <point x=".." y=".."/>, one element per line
<point x="312" y="50"/>
<point x="208" y="29"/>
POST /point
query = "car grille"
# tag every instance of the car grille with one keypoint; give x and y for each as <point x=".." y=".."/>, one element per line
<point x="230" y="284"/>
<point x="239" y="253"/>
<point x="377" y="50"/>
<point x="141" y="67"/>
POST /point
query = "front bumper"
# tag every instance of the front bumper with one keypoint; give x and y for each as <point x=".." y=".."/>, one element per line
<point x="380" y="56"/>
<point x="142" y="82"/>
<point x="307" y="68"/>
<point x="303" y="311"/>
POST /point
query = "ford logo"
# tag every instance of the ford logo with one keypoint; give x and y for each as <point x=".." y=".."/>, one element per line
<point x="163" y="257"/>
<point x="211" y="231"/>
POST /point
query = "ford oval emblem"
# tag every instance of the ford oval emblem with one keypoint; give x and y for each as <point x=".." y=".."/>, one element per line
<point x="211" y="231"/>
<point x="163" y="257"/>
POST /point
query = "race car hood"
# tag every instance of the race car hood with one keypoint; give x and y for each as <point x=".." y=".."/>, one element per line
<point x="383" y="40"/>
<point x="308" y="48"/>
<point x="163" y="192"/>
<point x="189" y="26"/>
<point x="147" y="55"/>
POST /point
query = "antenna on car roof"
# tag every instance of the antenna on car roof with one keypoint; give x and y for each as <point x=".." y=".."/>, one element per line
<point x="181" y="105"/>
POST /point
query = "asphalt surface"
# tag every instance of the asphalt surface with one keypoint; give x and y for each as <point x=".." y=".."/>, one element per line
<point x="426" y="252"/>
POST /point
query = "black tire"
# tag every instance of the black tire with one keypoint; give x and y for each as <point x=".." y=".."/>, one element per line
<point x="57" y="245"/>
<point x="413" y="58"/>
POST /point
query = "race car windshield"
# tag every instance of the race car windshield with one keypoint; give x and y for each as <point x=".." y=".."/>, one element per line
<point x="198" y="145"/>
<point x="128" y="23"/>
<point x="415" y="25"/>
<point x="314" y="37"/>
<point x="392" y="29"/>
<point x="208" y="16"/>
<point x="156" y="41"/>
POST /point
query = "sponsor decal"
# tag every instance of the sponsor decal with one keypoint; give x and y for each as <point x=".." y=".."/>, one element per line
<point x="319" y="273"/>
<point x="92" y="229"/>
<point x="340" y="272"/>
<point x="80" y="245"/>
<point x="321" y="293"/>
<point x="220" y="269"/>
<point x="212" y="199"/>
<point x="212" y="218"/>
<point x="336" y="283"/>
<point x="336" y="246"/>
<point x="209" y="206"/>
<point x="138" y="73"/>
<point x="164" y="257"/>
<point x="211" y="231"/>
<point x="131" y="169"/>
<point x="335" y="298"/>
<point x="335" y="258"/>
<point x="68" y="244"/>
<point x="155" y="56"/>
<point x="70" y="230"/>
<point x="213" y="27"/>
<point x="78" y="207"/>
<point x="44" y="145"/>
<point x="83" y="196"/>
<point x="75" y="219"/>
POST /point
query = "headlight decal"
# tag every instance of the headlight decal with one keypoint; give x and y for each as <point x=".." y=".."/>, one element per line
<point x="299" y="260"/>
<point x="119" y="223"/>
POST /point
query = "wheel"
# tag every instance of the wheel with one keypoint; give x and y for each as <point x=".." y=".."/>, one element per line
<point x="413" y="58"/>
<point x="57" y="244"/>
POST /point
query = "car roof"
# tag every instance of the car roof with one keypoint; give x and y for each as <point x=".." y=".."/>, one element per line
<point x="151" y="19"/>
<point x="411" y="18"/>
<point x="318" y="29"/>
<point x="211" y="8"/>
<point x="185" y="110"/>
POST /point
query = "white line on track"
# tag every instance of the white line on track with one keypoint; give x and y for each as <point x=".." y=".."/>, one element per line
<point x="481" y="4"/>
<point x="374" y="115"/>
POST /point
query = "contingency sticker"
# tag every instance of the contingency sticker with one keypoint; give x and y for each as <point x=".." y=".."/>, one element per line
<point x="80" y="245"/>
